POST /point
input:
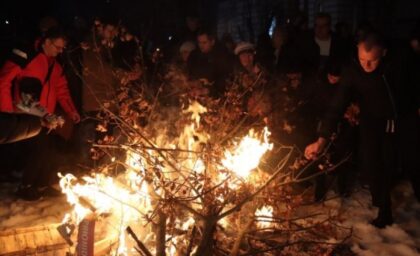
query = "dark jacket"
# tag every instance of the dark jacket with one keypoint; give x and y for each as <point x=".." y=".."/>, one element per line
<point x="322" y="94"/>
<point x="126" y="54"/>
<point x="339" y="52"/>
<point x="16" y="127"/>
<point x="214" y="66"/>
<point x="384" y="94"/>
<point x="293" y="118"/>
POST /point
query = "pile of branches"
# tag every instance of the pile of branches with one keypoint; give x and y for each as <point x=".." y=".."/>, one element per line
<point x="212" y="211"/>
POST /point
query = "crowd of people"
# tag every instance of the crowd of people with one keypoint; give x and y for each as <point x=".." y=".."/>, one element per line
<point x="313" y="87"/>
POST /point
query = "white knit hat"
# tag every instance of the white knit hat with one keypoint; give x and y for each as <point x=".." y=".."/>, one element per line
<point x="244" y="46"/>
<point x="187" y="46"/>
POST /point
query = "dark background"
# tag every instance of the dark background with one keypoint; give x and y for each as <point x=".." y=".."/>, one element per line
<point x="159" y="19"/>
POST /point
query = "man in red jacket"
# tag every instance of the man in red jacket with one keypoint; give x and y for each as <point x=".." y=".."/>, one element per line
<point x="42" y="76"/>
<point x="44" y="68"/>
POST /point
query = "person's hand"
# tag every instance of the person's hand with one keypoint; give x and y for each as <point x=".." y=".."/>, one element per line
<point x="352" y="114"/>
<point x="314" y="149"/>
<point x="46" y="124"/>
<point x="51" y="121"/>
<point x="75" y="117"/>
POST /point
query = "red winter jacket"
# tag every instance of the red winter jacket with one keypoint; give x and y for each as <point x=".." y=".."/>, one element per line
<point x="55" y="89"/>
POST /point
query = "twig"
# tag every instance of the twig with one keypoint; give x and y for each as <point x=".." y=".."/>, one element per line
<point x="139" y="243"/>
<point x="191" y="243"/>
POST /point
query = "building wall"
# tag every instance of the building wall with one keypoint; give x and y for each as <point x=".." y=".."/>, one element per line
<point x="395" y="18"/>
<point x="244" y="20"/>
<point x="340" y="11"/>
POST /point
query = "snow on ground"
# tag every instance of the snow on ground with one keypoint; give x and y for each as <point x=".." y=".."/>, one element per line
<point x="400" y="239"/>
<point x="15" y="213"/>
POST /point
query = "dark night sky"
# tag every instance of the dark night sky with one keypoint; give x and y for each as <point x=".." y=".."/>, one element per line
<point x="65" y="9"/>
<point x="23" y="16"/>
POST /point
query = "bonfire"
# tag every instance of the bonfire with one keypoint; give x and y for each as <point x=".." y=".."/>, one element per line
<point x="196" y="178"/>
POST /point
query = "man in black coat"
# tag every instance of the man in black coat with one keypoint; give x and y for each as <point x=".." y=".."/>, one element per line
<point x="211" y="62"/>
<point x="329" y="46"/>
<point x="326" y="86"/>
<point x="389" y="108"/>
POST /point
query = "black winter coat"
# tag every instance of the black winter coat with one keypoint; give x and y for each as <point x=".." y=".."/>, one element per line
<point x="214" y="66"/>
<point x="387" y="93"/>
<point x="16" y="127"/>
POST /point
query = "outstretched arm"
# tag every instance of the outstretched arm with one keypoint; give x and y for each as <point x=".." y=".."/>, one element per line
<point x="16" y="127"/>
<point x="334" y="114"/>
<point x="64" y="98"/>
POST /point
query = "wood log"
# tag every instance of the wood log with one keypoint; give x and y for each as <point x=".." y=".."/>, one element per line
<point x="44" y="240"/>
<point x="39" y="240"/>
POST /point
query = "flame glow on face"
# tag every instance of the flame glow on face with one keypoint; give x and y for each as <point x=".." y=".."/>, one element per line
<point x="247" y="154"/>
<point x="264" y="216"/>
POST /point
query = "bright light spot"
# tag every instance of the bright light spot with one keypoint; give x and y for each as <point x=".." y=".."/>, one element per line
<point x="199" y="166"/>
<point x="246" y="156"/>
<point x="99" y="194"/>
<point x="264" y="216"/>
<point x="133" y="160"/>
<point x="272" y="26"/>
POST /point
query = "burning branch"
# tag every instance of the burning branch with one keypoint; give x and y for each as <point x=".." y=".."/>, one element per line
<point x="193" y="178"/>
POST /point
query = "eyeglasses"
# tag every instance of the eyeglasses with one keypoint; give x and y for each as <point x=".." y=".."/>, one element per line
<point x="58" y="47"/>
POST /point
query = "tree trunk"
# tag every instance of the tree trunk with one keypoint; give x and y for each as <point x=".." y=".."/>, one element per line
<point x="243" y="231"/>
<point x="205" y="248"/>
<point x="161" y="234"/>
